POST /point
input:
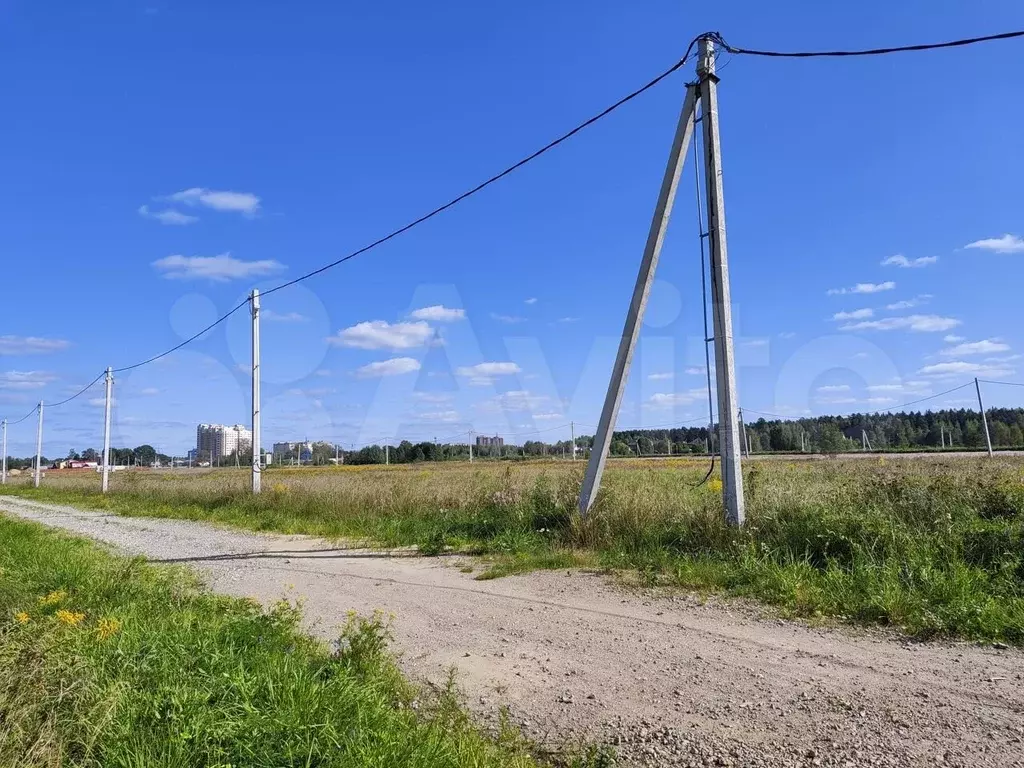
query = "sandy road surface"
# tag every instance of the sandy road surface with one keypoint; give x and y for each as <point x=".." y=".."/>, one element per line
<point x="668" y="681"/>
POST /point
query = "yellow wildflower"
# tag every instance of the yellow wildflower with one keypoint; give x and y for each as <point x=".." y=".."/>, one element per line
<point x="71" y="618"/>
<point x="21" y="618"/>
<point x="53" y="597"/>
<point x="107" y="627"/>
<point x="279" y="488"/>
<point x="715" y="485"/>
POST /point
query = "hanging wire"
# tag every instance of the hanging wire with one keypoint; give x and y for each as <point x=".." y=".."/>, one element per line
<point x="866" y="52"/>
<point x="704" y="311"/>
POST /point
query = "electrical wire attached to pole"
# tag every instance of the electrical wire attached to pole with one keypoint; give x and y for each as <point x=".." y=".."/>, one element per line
<point x="867" y="51"/>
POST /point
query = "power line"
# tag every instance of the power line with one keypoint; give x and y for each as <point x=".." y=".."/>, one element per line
<point x="80" y="392"/>
<point x="189" y="340"/>
<point x="496" y="177"/>
<point x="12" y="423"/>
<point x="878" y="410"/>
<point x="440" y="209"/>
<point x="867" y="52"/>
<point x="1007" y="383"/>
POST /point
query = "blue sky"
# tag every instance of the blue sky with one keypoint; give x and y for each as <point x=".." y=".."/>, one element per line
<point x="163" y="158"/>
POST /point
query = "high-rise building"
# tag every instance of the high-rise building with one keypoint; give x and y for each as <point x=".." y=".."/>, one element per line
<point x="219" y="440"/>
<point x="482" y="441"/>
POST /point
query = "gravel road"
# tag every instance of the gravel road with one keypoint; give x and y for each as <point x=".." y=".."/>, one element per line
<point x="666" y="680"/>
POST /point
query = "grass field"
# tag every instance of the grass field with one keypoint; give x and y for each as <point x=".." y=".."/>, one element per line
<point x="106" y="661"/>
<point x="934" y="546"/>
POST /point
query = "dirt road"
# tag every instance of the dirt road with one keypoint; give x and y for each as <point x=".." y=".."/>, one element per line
<point x="668" y="681"/>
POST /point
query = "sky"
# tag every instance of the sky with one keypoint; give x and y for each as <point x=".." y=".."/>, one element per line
<point x="165" y="157"/>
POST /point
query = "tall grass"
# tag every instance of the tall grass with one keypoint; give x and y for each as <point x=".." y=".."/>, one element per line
<point x="933" y="546"/>
<point x="109" y="662"/>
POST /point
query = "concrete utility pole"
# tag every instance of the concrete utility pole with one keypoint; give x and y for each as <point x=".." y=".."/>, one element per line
<point x="387" y="454"/>
<point x="39" y="447"/>
<point x="3" y="450"/>
<point x="984" y="419"/>
<point x="746" y="437"/>
<point x="572" y="436"/>
<point x="470" y="446"/>
<point x="721" y="300"/>
<point x="109" y="391"/>
<point x="257" y="426"/>
<point x="638" y="303"/>
<point x="942" y="436"/>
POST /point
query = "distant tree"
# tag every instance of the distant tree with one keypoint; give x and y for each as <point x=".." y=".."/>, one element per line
<point x="90" y="454"/>
<point x="831" y="440"/>
<point x="144" y="455"/>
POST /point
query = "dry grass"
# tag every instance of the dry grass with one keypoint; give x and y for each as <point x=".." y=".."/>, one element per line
<point x="934" y="545"/>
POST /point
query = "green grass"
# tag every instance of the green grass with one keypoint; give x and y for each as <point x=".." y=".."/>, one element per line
<point x="932" y="546"/>
<point x="106" y="661"/>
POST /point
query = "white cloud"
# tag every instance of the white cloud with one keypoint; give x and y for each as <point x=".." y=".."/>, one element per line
<point x="445" y="417"/>
<point x="923" y="323"/>
<point x="168" y="216"/>
<point x="380" y="334"/>
<point x="861" y="356"/>
<point x="787" y="335"/>
<point x="863" y="288"/>
<point x="31" y="345"/>
<point x="909" y="303"/>
<point x="672" y="399"/>
<point x="25" y="379"/>
<point x="217" y="269"/>
<point x="282" y="317"/>
<point x="1004" y="244"/>
<point x="311" y="392"/>
<point x="695" y="371"/>
<point x="899" y="260"/>
<point x="323" y="372"/>
<point x="393" y="367"/>
<point x="952" y="339"/>
<point x="835" y="388"/>
<point x="433" y="397"/>
<point x="439" y="314"/>
<point x="551" y="416"/>
<point x="838" y="400"/>
<point x="661" y="376"/>
<point x="484" y="373"/>
<point x="983" y="347"/>
<point x="963" y="368"/>
<point x="531" y="300"/>
<point x="237" y="202"/>
<point x="149" y="391"/>
<point x="754" y="342"/>
<point x="1003" y="358"/>
<point x="857" y="314"/>
<point x="880" y="400"/>
<point x="510" y="319"/>
<point x="906" y="386"/>
<point x="568" y="319"/>
<point x="519" y="400"/>
<point x="101" y="402"/>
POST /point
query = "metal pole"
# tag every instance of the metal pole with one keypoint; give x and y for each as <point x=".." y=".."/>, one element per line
<point x="109" y="382"/>
<point x="257" y="426"/>
<point x="984" y="419"/>
<point x="638" y="303"/>
<point x="721" y="301"/>
<point x="39" y="447"/>
<point x="3" y="450"/>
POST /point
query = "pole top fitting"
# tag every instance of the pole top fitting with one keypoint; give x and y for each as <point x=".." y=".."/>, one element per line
<point x="706" y="59"/>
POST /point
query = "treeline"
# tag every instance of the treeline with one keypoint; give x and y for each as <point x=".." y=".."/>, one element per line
<point x="143" y="456"/>
<point x="959" y="428"/>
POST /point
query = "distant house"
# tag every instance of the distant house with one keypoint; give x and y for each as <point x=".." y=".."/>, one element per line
<point x="82" y="464"/>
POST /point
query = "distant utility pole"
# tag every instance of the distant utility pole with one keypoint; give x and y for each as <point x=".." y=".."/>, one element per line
<point x="984" y="419"/>
<point x="942" y="437"/>
<point x="471" y="446"/>
<point x="109" y="390"/>
<point x="728" y="416"/>
<point x="3" y="450"/>
<point x="387" y="454"/>
<point x="746" y="437"/>
<point x="572" y="436"/>
<point x="257" y="425"/>
<point x="39" y="447"/>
